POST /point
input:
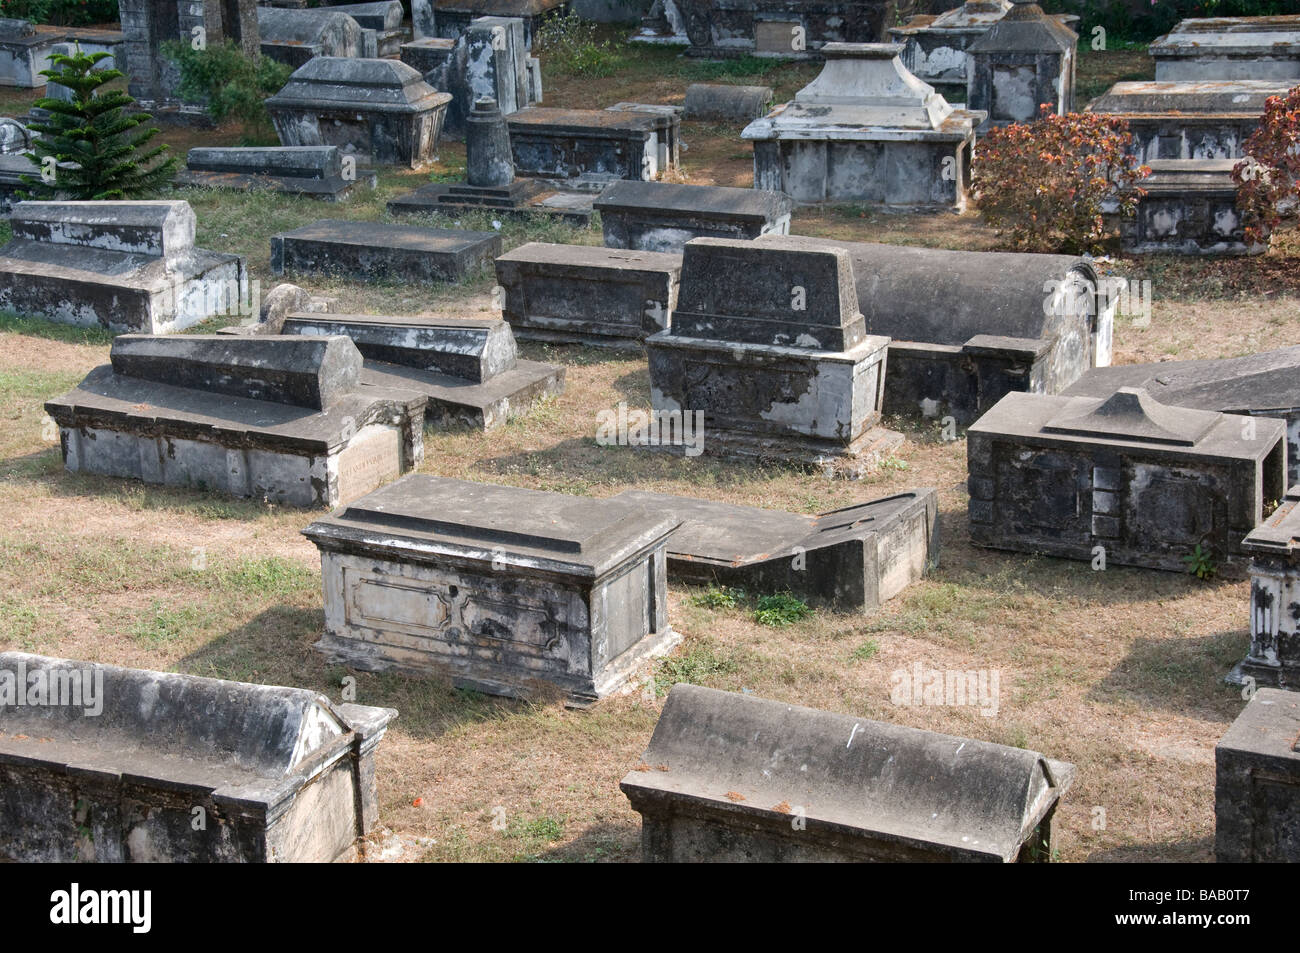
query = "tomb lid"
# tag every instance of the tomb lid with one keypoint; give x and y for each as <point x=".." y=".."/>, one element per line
<point x="713" y="201"/>
<point x="1212" y="97"/>
<point x="439" y="516"/>
<point x="316" y="162"/>
<point x="1279" y="534"/>
<point x="1268" y="728"/>
<point x="973" y="13"/>
<point x="280" y="26"/>
<point x="751" y="759"/>
<point x="157" y="228"/>
<point x="499" y="8"/>
<point x="1273" y="36"/>
<point x="1189" y="176"/>
<point x="1026" y="29"/>
<point x="591" y="122"/>
<point x="380" y="15"/>
<point x="12" y="27"/>
<point x="1132" y="414"/>
<point x="358" y="85"/>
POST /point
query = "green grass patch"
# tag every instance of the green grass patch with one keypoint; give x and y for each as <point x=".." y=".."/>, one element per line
<point x="38" y="327"/>
<point x="719" y="597"/>
<point x="162" y="623"/>
<point x="781" y="609"/>
<point x="699" y="666"/>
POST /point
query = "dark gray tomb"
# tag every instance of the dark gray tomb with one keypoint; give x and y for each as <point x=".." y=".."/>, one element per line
<point x="585" y="147"/>
<point x="794" y="29"/>
<point x="454" y="17"/>
<point x="726" y="103"/>
<point x="1257" y="782"/>
<point x="1024" y="60"/>
<point x="732" y="778"/>
<point x="500" y="589"/>
<point x="366" y="250"/>
<point x="1274" y="654"/>
<point x="664" y="216"/>
<point x="294" y="37"/>
<point x="381" y="23"/>
<point x="314" y="171"/>
<point x="1189" y="208"/>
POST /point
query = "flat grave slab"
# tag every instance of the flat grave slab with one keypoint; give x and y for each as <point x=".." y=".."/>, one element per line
<point x="313" y="171"/>
<point x="664" y="216"/>
<point x="1257" y="782"/>
<point x="366" y="250"/>
<point x="1229" y="48"/>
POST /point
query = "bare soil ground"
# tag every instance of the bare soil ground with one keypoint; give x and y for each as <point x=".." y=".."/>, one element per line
<point x="1117" y="671"/>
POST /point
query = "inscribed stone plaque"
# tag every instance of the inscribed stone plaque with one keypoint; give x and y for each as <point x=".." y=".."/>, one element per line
<point x="776" y="36"/>
<point x="369" y="461"/>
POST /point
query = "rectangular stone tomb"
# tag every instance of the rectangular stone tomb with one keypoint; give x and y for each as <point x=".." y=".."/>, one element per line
<point x="1274" y="654"/>
<point x="1258" y="385"/>
<point x="968" y="327"/>
<point x="609" y="297"/>
<point x="1024" y="61"/>
<point x="779" y="28"/>
<point x="664" y="216"/>
<point x="381" y="111"/>
<point x="522" y="197"/>
<point x="768" y="344"/>
<point x="584" y="147"/>
<point x="854" y="558"/>
<point x="125" y="266"/>
<point x="313" y="171"/>
<point x="381" y="23"/>
<point x="279" y="418"/>
<point x="1257" y="782"/>
<point x="501" y="589"/>
<point x="453" y="17"/>
<point x="282" y="775"/>
<point x="1207" y="119"/>
<point x="1230" y="48"/>
<point x="668" y="129"/>
<point x="469" y="370"/>
<point x="722" y="102"/>
<point x="294" y="37"/>
<point x="25" y="49"/>
<point x="1190" y="208"/>
<point x="367" y="250"/>
<point x="1135" y="481"/>
<point x="732" y="778"/>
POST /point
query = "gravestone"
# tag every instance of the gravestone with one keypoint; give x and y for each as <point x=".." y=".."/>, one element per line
<point x="314" y="171"/>
<point x="1257" y="782"/>
<point x="278" y="774"/>
<point x="468" y="370"/>
<point x="1230" y="48"/>
<point x="126" y="266"/>
<point x="1189" y="208"/>
<point x="662" y="24"/>
<point x="423" y="20"/>
<point x="1125" y="479"/>
<point x="664" y="216"/>
<point x="381" y="111"/>
<point x="866" y="130"/>
<point x="1024" y="60"/>
<point x="15" y="137"/>
<point x="1188" y="120"/>
<point x="24" y="53"/>
<point x="966" y="328"/>
<point x="719" y="102"/>
<point x="294" y="37"/>
<point x="668" y="125"/>
<point x="455" y="16"/>
<point x="792" y="29"/>
<point x="14" y="169"/>
<point x="1258" y="385"/>
<point x="279" y="418"/>
<point x="851" y="559"/>
<point x="768" y="344"/>
<point x="575" y="294"/>
<point x="504" y="590"/>
<point x="368" y="250"/>
<point x="381" y="23"/>
<point x="153" y="79"/>
<point x="584" y="148"/>
<point x="733" y="778"/>
<point x="1274" y="654"/>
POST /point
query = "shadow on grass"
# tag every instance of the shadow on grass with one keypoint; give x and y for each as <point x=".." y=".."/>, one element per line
<point x="599" y="844"/>
<point x="1198" y="850"/>
<point x="1179" y="675"/>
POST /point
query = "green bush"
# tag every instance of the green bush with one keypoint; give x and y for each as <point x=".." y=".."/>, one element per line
<point x="231" y="84"/>
<point x="781" y="609"/>
<point x="99" y="150"/>
<point x="568" y="45"/>
<point x="1144" y="20"/>
<point x="61" y="12"/>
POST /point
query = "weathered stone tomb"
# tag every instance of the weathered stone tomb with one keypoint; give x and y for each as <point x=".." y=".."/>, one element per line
<point x="153" y="78"/>
<point x="664" y="216"/>
<point x="281" y="418"/>
<point x="718" y="101"/>
<point x="1126" y="478"/>
<point x="1190" y="208"/>
<point x="294" y="37"/>
<point x="795" y="29"/>
<point x="453" y="17"/>
<point x="381" y="111"/>
<point x="1230" y="48"/>
<point x="313" y="171"/>
<point x="282" y="775"/>
<point x="585" y="147"/>
<point x="768" y="344"/>
<point x="1024" y="60"/>
<point x="500" y="589"/>
<point x="366" y="250"/>
<point x="851" y="559"/>
<point x="1274" y="545"/>
<point x="381" y="24"/>
<point x="1257" y="782"/>
<point x="732" y="778"/>
<point x="126" y="266"/>
<point x="608" y="297"/>
<point x="866" y="130"/>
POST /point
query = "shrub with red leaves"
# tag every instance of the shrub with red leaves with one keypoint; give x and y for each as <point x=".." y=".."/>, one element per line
<point x="1268" y="179"/>
<point x="1041" y="184"/>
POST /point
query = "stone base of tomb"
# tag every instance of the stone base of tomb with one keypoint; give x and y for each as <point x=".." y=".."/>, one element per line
<point x="335" y="189"/>
<point x="521" y="197"/>
<point x="1257" y="782"/>
<point x="454" y="402"/>
<point x="1190" y="208"/>
<point x="857" y="460"/>
<point x="368" y="250"/>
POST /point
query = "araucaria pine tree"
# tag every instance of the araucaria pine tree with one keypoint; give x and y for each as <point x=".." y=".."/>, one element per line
<point x="91" y="148"/>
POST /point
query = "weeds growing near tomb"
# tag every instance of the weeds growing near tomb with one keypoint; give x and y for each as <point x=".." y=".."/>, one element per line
<point x="569" y="44"/>
<point x="719" y="597"/>
<point x="1268" y="179"/>
<point x="781" y="609"/>
<point x="231" y="84"/>
<point x="700" y="665"/>
<point x="1200" y="563"/>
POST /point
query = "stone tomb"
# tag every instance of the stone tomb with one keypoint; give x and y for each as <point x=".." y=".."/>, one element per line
<point x="294" y="37"/>
<point x="1274" y="654"/>
<point x="280" y="418"/>
<point x="469" y="370"/>
<point x="718" y="102"/>
<point x="1258" y="385"/>
<point x="852" y="559"/>
<point x="1140" y="482"/>
<point x="664" y="216"/>
<point x="369" y="250"/>
<point x="585" y="147"/>
<point x="767" y="342"/>
<point x="454" y="17"/>
<point x="125" y="266"/>
<point x="1210" y="119"/>
<point x="314" y="171"/>
<point x="282" y="774"/>
<point x="501" y="589"/>
<point x="668" y="130"/>
<point x="1230" y="48"/>
<point x="1024" y="60"/>
<point x="153" y="78"/>
<point x="381" y="111"/>
<point x="1190" y="208"/>
<point x="25" y="49"/>
<point x="1257" y="782"/>
<point x="968" y="327"/>
<point x="795" y="29"/>
<point x="726" y="776"/>
<point x="381" y="25"/>
<point x="575" y="294"/>
<point x="866" y="130"/>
